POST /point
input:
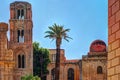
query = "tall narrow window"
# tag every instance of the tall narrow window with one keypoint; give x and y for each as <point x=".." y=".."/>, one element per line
<point x="18" y="14"/>
<point x="53" y="74"/>
<point x="20" y="36"/>
<point x="53" y="57"/>
<point x="18" y="33"/>
<point x="19" y="61"/>
<point x="23" y="61"/>
<point x="22" y="14"/>
<point x="99" y="70"/>
<point x="70" y="74"/>
<point x="22" y="33"/>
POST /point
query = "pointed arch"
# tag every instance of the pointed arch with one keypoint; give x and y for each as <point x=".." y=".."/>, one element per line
<point x="70" y="74"/>
<point x="21" y="61"/>
<point x="20" y="57"/>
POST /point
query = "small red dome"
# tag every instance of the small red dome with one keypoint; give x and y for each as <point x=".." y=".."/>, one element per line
<point x="98" y="46"/>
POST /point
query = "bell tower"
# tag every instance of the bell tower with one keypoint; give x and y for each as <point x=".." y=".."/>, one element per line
<point x="21" y="37"/>
<point x="20" y="22"/>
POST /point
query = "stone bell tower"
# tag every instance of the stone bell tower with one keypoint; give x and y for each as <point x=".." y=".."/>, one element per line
<point x="21" y="37"/>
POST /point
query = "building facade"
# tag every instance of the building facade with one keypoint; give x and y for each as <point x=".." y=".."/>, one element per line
<point x="69" y="69"/>
<point x="16" y="55"/>
<point x="113" y="66"/>
<point x="92" y="66"/>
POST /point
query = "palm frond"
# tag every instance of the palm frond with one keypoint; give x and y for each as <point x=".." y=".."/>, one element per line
<point x="69" y="37"/>
<point x="50" y="36"/>
<point x="57" y="31"/>
<point x="66" y="39"/>
<point x="49" y="32"/>
<point x="51" y="29"/>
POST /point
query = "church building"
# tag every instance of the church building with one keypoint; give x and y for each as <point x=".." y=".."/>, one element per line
<point x="16" y="55"/>
<point x="92" y="66"/>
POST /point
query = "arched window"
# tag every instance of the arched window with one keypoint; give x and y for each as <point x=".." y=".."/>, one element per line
<point x="70" y="74"/>
<point x="22" y="33"/>
<point x="53" y="74"/>
<point x="21" y="61"/>
<point x="20" y="36"/>
<point x="18" y="33"/>
<point x="99" y="70"/>
<point x="20" y="14"/>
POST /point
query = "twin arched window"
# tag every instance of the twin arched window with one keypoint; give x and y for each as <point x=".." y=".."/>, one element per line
<point x="20" y="36"/>
<point x="21" y="61"/>
<point x="99" y="70"/>
<point x="70" y="74"/>
<point x="20" y="14"/>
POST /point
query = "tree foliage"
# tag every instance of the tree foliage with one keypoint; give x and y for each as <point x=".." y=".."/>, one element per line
<point x="40" y="60"/>
<point x="30" y="77"/>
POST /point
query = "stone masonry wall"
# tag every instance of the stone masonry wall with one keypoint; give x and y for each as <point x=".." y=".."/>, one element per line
<point x="113" y="40"/>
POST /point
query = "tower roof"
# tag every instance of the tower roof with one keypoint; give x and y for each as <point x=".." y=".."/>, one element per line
<point x="16" y="2"/>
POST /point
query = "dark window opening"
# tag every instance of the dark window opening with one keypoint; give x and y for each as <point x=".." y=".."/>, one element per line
<point x="20" y="14"/>
<point x="18" y="32"/>
<point x="22" y="33"/>
<point x="20" y="36"/>
<point x="21" y="61"/>
<point x="99" y="70"/>
<point x="53" y="74"/>
<point x="70" y="74"/>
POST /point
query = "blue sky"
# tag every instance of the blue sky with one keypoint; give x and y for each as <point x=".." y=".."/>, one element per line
<point x="87" y="20"/>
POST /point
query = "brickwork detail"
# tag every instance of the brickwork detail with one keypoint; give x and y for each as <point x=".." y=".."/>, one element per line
<point x="113" y="40"/>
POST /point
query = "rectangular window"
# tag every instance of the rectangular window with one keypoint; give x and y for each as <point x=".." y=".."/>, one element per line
<point x="53" y="57"/>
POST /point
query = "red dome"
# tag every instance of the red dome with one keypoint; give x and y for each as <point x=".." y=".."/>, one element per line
<point x="98" y="46"/>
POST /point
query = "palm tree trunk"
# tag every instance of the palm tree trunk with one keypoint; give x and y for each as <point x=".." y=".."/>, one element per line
<point x="57" y="64"/>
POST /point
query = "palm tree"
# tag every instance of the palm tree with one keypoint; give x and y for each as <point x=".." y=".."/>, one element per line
<point x="57" y="32"/>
